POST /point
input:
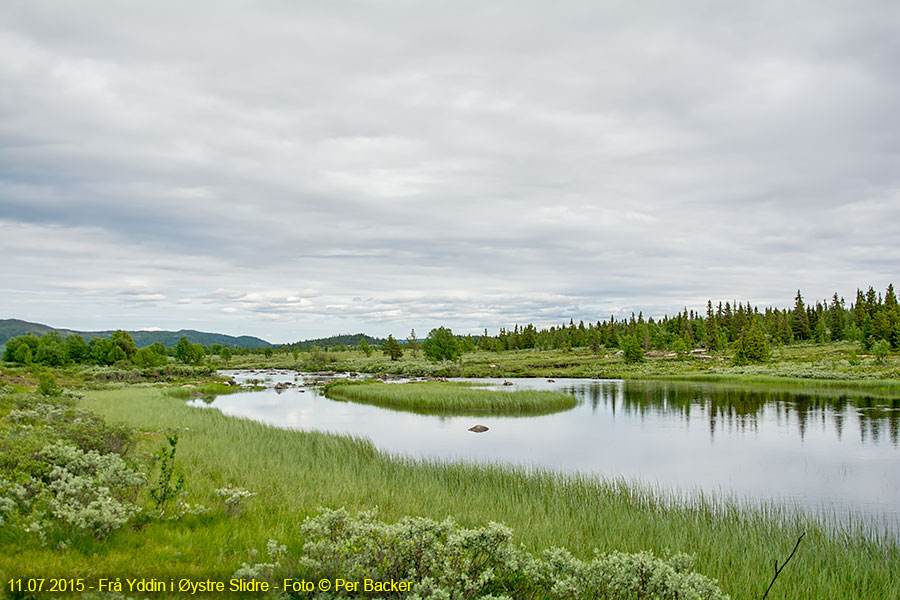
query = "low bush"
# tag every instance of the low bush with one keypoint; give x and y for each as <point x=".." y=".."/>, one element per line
<point x="442" y="560"/>
<point x="234" y="498"/>
<point x="62" y="471"/>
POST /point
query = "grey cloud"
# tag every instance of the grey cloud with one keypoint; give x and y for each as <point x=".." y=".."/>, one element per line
<point x="469" y="163"/>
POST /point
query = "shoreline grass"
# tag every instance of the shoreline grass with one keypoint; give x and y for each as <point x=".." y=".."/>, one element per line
<point x="451" y="398"/>
<point x="296" y="472"/>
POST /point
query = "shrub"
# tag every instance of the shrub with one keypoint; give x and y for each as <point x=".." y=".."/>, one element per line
<point x="234" y="498"/>
<point x="80" y="427"/>
<point x="81" y="505"/>
<point x="169" y="485"/>
<point x="444" y="560"/>
<point x="47" y="385"/>
<point x="84" y="493"/>
<point x="881" y="350"/>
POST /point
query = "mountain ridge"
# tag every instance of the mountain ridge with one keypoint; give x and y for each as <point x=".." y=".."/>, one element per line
<point x="15" y="327"/>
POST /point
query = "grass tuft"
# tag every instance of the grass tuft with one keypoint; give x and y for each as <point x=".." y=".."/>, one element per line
<point x="446" y="398"/>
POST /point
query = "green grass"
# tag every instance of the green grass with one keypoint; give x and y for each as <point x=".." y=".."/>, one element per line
<point x="296" y="472"/>
<point x="445" y="398"/>
<point x="207" y="390"/>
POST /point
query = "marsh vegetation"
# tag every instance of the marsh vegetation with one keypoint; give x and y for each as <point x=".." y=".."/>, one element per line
<point x="451" y="398"/>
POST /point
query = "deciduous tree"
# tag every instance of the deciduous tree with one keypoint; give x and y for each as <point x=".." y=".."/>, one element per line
<point x="441" y="345"/>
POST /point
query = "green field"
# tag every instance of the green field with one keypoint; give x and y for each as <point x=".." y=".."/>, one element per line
<point x="440" y="397"/>
<point x="294" y="473"/>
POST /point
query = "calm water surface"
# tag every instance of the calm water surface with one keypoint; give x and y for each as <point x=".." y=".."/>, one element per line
<point x="819" y="450"/>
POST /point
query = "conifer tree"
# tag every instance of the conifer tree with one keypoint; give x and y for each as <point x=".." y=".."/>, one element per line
<point x="755" y="347"/>
<point x="890" y="298"/>
<point x="412" y="342"/>
<point x="595" y="341"/>
<point x="751" y="346"/>
<point x="800" y="319"/>
<point x="836" y="318"/>
<point x="738" y="321"/>
<point x="392" y="348"/>
<point x="785" y="333"/>
<point x="712" y="328"/>
<point x="631" y="349"/>
<point x="726" y="320"/>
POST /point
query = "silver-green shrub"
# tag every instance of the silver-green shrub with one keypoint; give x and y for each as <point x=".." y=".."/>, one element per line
<point x="234" y="498"/>
<point x="80" y="505"/>
<point x="12" y="495"/>
<point x="444" y="561"/>
<point x="84" y="493"/>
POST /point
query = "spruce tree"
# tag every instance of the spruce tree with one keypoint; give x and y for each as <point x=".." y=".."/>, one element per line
<point x="392" y="348"/>
<point x="836" y="318"/>
<point x="712" y="328"/>
<point x="412" y="342"/>
<point x="755" y="347"/>
<point x="800" y="320"/>
<point x="631" y="349"/>
<point x="751" y="346"/>
<point x="890" y="298"/>
<point x="738" y="321"/>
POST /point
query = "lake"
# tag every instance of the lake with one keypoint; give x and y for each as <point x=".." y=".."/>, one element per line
<point x="819" y="449"/>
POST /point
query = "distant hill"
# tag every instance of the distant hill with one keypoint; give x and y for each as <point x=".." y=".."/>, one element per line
<point x="14" y="327"/>
<point x="338" y="340"/>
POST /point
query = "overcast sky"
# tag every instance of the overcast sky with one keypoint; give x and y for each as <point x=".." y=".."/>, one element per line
<point x="299" y="169"/>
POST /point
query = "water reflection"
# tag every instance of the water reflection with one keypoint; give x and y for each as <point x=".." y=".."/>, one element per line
<point x="836" y="450"/>
<point x="741" y="408"/>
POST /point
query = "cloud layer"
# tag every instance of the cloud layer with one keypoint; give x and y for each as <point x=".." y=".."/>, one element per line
<point x="292" y="170"/>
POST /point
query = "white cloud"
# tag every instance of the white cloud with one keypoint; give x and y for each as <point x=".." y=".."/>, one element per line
<point x="475" y="165"/>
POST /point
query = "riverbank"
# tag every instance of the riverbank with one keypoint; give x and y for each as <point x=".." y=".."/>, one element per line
<point x="294" y="473"/>
<point x="836" y="364"/>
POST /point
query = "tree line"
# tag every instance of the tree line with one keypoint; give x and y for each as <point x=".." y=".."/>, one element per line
<point x="872" y="320"/>
<point x="54" y="350"/>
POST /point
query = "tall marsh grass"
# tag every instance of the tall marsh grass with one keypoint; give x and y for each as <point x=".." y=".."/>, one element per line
<point x="440" y="397"/>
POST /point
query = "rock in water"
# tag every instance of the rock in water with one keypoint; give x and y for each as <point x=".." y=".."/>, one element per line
<point x="478" y="429"/>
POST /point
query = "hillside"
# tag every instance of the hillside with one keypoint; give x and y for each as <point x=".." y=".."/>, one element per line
<point x="14" y="327"/>
<point x="338" y="340"/>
